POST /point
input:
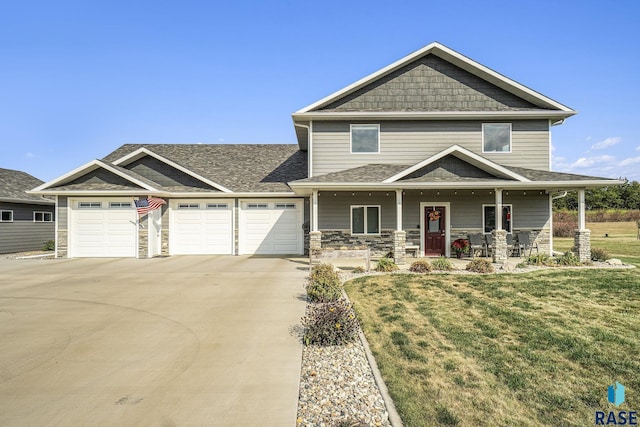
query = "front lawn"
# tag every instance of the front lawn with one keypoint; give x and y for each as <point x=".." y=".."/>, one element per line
<point x="512" y="349"/>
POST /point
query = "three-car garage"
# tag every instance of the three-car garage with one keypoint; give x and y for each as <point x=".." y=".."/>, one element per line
<point x="109" y="227"/>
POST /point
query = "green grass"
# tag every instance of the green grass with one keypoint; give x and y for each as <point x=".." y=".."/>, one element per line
<point x="512" y="349"/>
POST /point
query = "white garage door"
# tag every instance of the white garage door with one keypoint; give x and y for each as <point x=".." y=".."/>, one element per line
<point x="199" y="227"/>
<point x="102" y="228"/>
<point x="271" y="227"/>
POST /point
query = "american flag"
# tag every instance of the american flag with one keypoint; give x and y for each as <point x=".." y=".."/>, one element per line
<point x="146" y="205"/>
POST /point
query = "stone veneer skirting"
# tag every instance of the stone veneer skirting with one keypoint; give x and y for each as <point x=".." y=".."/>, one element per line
<point x="379" y="244"/>
<point x="61" y="244"/>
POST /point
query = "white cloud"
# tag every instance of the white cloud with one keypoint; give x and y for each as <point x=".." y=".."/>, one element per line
<point x="587" y="162"/>
<point x="606" y="143"/>
<point x="638" y="148"/>
<point x="630" y="161"/>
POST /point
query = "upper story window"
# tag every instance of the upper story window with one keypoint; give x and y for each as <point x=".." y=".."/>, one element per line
<point x="365" y="138"/>
<point x="496" y="137"/>
<point x="42" y="217"/>
<point x="6" y="216"/>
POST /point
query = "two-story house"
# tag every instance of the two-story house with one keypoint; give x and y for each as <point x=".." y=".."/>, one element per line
<point x="431" y="148"/>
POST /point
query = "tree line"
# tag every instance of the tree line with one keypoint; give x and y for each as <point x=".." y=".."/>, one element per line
<point x="625" y="196"/>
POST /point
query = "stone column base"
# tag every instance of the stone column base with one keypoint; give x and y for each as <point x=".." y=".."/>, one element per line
<point x="499" y="246"/>
<point x="582" y="244"/>
<point x="315" y="240"/>
<point x="399" y="243"/>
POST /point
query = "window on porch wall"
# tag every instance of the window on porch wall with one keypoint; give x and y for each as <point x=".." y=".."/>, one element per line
<point x="365" y="219"/>
<point x="489" y="218"/>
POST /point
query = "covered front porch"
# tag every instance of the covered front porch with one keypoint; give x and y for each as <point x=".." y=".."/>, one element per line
<point x="400" y="222"/>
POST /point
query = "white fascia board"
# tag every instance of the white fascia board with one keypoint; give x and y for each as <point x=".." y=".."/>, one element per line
<point x="451" y="56"/>
<point x="104" y="193"/>
<point x="141" y="152"/>
<point x="227" y="195"/>
<point x="433" y="115"/>
<point x="373" y="186"/>
<point x="83" y="170"/>
<point x="463" y="154"/>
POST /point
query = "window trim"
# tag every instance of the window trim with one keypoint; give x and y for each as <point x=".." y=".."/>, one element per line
<point x="504" y="205"/>
<point x="376" y="125"/>
<point x="352" y="207"/>
<point x="510" y="138"/>
<point x="6" y="210"/>
<point x="44" y="216"/>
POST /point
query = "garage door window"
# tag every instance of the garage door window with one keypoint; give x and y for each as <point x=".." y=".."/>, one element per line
<point x="119" y="205"/>
<point x="188" y="206"/>
<point x="217" y="206"/>
<point x="257" y="206"/>
<point x="89" y="205"/>
<point x="285" y="205"/>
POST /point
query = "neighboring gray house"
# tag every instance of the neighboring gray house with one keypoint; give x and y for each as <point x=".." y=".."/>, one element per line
<point x="26" y="220"/>
<point x="433" y="147"/>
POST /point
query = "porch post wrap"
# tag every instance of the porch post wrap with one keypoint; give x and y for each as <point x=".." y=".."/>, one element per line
<point x="315" y="241"/>
<point x="399" y="247"/>
<point x="498" y="208"/>
<point x="314" y="211"/>
<point x="499" y="246"/>
<point x="582" y="244"/>
<point x="398" y="210"/>
<point x="581" y="210"/>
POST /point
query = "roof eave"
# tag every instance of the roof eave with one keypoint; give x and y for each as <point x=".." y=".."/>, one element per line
<point x="433" y="115"/>
<point x="27" y="201"/>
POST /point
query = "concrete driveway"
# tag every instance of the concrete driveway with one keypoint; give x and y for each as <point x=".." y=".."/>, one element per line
<point x="180" y="341"/>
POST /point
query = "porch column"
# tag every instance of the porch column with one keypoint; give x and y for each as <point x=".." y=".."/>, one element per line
<point x="582" y="236"/>
<point x="399" y="236"/>
<point x="315" y="237"/>
<point x="499" y="245"/>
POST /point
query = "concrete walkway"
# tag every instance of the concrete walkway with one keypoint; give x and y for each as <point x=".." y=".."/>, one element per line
<point x="180" y="341"/>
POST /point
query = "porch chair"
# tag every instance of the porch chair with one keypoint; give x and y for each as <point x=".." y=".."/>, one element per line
<point x="524" y="240"/>
<point x="512" y="246"/>
<point x="488" y="238"/>
<point x="476" y="242"/>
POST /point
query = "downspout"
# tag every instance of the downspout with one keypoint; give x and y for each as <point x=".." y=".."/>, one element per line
<point x="560" y="196"/>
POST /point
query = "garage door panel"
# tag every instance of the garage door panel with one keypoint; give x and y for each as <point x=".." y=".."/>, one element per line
<point x="102" y="231"/>
<point x="202" y="230"/>
<point x="271" y="227"/>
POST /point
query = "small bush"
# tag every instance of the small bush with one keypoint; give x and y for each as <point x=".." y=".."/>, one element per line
<point x="49" y="245"/>
<point x="386" y="265"/>
<point x="420" y="266"/>
<point x="441" y="264"/>
<point x="539" y="259"/>
<point x="598" y="254"/>
<point x="332" y="323"/>
<point x="480" y="265"/>
<point x="568" y="259"/>
<point x="324" y="284"/>
<point x="358" y="270"/>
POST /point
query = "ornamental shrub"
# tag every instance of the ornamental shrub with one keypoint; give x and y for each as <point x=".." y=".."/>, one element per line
<point x="324" y="284"/>
<point x="480" y="265"/>
<point x="539" y="259"/>
<point x="49" y="245"/>
<point x="598" y="254"/>
<point x="331" y="323"/>
<point x="386" y="265"/>
<point x="420" y="266"/>
<point x="441" y="264"/>
<point x="568" y="259"/>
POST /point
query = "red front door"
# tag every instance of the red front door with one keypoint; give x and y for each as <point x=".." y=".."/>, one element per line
<point x="434" y="231"/>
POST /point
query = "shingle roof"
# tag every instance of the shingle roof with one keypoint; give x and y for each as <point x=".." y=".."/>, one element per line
<point x="238" y="167"/>
<point x="14" y="184"/>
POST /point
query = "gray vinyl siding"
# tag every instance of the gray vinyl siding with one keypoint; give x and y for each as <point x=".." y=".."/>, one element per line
<point x="530" y="211"/>
<point x="334" y="212"/>
<point x="409" y="142"/>
<point x="23" y="234"/>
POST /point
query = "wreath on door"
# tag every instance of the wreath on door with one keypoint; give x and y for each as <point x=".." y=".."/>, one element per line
<point x="434" y="215"/>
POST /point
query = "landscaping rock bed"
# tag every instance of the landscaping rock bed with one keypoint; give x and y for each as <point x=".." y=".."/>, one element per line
<point x="338" y="388"/>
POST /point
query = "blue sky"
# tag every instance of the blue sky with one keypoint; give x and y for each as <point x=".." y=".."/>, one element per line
<point x="78" y="79"/>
